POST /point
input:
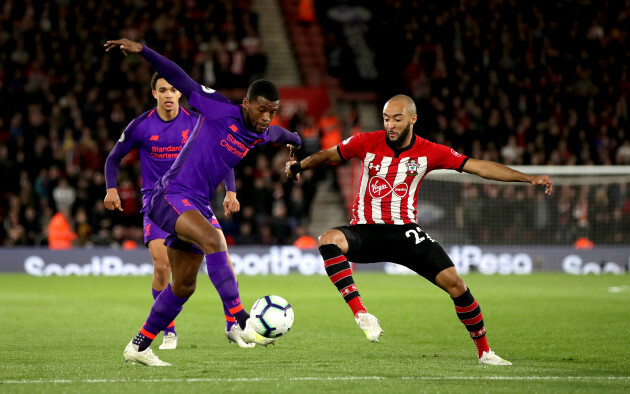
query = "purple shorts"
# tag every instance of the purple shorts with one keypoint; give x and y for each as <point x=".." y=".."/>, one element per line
<point x="165" y="209"/>
<point x="152" y="231"/>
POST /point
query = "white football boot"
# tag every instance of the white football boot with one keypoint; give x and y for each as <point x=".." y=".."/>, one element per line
<point x="370" y="326"/>
<point x="145" y="357"/>
<point x="490" y="358"/>
<point x="249" y="335"/>
<point x="169" y="341"/>
<point x="234" y="336"/>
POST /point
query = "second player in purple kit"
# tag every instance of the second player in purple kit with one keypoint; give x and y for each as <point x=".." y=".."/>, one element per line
<point x="222" y="137"/>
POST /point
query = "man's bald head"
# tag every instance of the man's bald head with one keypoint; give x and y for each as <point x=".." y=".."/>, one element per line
<point x="407" y="103"/>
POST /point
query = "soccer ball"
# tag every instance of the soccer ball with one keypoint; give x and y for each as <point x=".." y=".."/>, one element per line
<point x="271" y="316"/>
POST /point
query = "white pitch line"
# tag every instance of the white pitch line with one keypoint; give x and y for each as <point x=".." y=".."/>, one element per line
<point x="323" y="379"/>
<point x="618" y="289"/>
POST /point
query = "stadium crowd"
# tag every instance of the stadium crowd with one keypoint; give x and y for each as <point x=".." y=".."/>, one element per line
<point x="498" y="81"/>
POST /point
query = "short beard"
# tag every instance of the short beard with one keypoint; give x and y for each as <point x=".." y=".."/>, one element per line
<point x="403" y="136"/>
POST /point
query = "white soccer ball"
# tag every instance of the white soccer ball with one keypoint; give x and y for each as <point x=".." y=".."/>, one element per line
<point x="271" y="316"/>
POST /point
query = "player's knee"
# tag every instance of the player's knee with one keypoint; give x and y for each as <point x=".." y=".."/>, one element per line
<point x="161" y="271"/>
<point x="450" y="282"/>
<point x="460" y="287"/>
<point x="211" y="243"/>
<point x="184" y="290"/>
<point x="456" y="287"/>
<point x="330" y="237"/>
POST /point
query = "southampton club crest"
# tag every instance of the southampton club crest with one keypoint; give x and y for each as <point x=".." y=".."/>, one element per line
<point x="412" y="168"/>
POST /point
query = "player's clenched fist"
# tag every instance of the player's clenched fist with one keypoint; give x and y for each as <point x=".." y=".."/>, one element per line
<point x="543" y="180"/>
<point x="125" y="45"/>
<point x="288" y="172"/>
<point x="112" y="200"/>
<point x="231" y="204"/>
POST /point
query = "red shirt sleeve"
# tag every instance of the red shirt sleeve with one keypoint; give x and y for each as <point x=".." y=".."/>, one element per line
<point x="443" y="157"/>
<point x="354" y="146"/>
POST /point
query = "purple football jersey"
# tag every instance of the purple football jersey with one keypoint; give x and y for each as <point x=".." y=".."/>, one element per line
<point x="159" y="143"/>
<point x="217" y="145"/>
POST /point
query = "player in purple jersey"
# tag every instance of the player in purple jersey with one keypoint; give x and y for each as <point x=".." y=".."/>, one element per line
<point x="222" y="137"/>
<point x="160" y="134"/>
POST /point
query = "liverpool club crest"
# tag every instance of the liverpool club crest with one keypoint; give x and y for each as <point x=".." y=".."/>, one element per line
<point x="412" y="168"/>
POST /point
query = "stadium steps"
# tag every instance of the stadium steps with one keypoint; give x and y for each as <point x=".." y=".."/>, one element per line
<point x="281" y="66"/>
<point x="307" y="43"/>
<point x="327" y="209"/>
<point x="371" y="115"/>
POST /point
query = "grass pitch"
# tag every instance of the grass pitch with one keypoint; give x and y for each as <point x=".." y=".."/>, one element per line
<point x="563" y="333"/>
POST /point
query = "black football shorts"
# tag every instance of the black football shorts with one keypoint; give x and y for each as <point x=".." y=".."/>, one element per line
<point x="405" y="244"/>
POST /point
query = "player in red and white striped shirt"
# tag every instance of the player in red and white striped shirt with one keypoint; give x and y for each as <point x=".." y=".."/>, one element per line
<point x="384" y="218"/>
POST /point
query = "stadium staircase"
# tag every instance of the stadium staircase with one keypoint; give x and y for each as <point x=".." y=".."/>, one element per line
<point x="327" y="209"/>
<point x="281" y="66"/>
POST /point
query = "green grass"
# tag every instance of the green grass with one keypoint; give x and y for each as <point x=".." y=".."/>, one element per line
<point x="563" y="333"/>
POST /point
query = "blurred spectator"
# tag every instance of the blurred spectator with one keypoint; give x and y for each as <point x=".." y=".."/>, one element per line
<point x="511" y="153"/>
<point x="302" y="240"/>
<point x="330" y="129"/>
<point x="15" y="233"/>
<point x="472" y="211"/>
<point x="32" y="226"/>
<point x="84" y="230"/>
<point x="306" y="11"/>
<point x="60" y="234"/>
<point x="623" y="153"/>
<point x="280" y="226"/>
<point x="246" y="235"/>
<point x="64" y="195"/>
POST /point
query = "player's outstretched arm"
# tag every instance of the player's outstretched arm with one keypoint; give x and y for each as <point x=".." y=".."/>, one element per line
<point x="498" y="172"/>
<point x="112" y="200"/>
<point x="280" y="134"/>
<point x="319" y="159"/>
<point x="165" y="67"/>
<point x="125" y="144"/>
